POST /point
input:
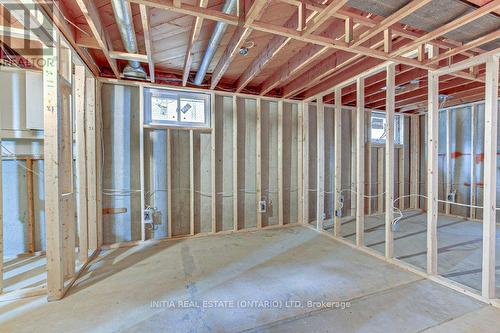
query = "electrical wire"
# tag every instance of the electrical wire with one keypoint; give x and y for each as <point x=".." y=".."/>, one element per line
<point x="11" y="154"/>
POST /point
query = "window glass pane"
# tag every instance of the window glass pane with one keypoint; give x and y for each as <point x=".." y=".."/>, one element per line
<point x="163" y="108"/>
<point x="379" y="128"/>
<point x="192" y="110"/>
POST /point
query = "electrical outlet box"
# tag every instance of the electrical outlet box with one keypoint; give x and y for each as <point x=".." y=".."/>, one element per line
<point x="262" y="206"/>
<point x="148" y="215"/>
<point x="338" y="213"/>
<point x="451" y="196"/>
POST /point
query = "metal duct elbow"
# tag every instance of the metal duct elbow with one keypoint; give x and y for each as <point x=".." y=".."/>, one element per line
<point x="123" y="16"/>
<point x="220" y="28"/>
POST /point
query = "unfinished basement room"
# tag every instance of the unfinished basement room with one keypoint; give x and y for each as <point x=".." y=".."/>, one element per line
<point x="249" y="166"/>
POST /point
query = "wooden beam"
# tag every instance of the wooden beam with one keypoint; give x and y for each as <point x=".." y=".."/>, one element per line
<point x="349" y="30"/>
<point x="360" y="162"/>
<point x="324" y="15"/>
<point x="320" y="162"/>
<point x="490" y="178"/>
<point x="146" y="30"/>
<point x="389" y="160"/>
<point x="394" y="18"/>
<point x="338" y="161"/>
<point x="387" y="40"/>
<point x="91" y="14"/>
<point x="301" y="16"/>
<point x="467" y="46"/>
<point x="298" y="62"/>
<point x="450" y="26"/>
<point x="195" y="34"/>
<point x="237" y="40"/>
<point x="432" y="173"/>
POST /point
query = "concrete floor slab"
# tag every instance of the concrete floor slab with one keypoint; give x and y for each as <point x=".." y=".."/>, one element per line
<point x="238" y="282"/>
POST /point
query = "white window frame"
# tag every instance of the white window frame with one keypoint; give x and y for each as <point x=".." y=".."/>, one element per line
<point x="149" y="93"/>
<point x="398" y="124"/>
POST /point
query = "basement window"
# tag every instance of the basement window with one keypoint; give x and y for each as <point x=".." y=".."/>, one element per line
<point x="176" y="108"/>
<point x="379" y="127"/>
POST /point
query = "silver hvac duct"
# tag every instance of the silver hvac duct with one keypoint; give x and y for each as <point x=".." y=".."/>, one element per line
<point x="220" y="28"/>
<point x="123" y="16"/>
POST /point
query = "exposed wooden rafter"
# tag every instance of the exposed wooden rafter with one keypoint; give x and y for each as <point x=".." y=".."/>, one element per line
<point x="91" y="15"/>
<point x="239" y="37"/>
<point x="146" y="29"/>
<point x="195" y="33"/>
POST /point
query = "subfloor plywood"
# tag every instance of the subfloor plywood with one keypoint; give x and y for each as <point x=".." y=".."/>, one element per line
<point x="289" y="264"/>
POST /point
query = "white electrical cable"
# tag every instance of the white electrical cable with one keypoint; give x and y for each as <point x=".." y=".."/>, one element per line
<point x="11" y="154"/>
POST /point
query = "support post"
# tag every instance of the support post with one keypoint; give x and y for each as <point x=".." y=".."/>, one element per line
<point x="360" y="162"/>
<point x="338" y="158"/>
<point x="320" y="162"/>
<point x="490" y="177"/>
<point x="432" y="173"/>
<point x="389" y="159"/>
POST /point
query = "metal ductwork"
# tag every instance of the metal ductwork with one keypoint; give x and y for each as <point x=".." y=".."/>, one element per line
<point x="220" y="28"/>
<point x="123" y="16"/>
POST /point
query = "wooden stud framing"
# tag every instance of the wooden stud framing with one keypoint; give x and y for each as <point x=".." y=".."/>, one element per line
<point x="54" y="225"/>
<point x="360" y="162"/>
<point x="448" y="160"/>
<point x="169" y="183"/>
<point x="191" y="182"/>
<point x="432" y="173"/>
<point x="349" y="30"/>
<point x="369" y="163"/>
<point x="258" y="173"/>
<point x="300" y="163"/>
<point x="141" y="163"/>
<point x="1" y="219"/>
<point x="473" y="187"/>
<point x="90" y="129"/>
<point x="81" y="162"/>
<point x="305" y="162"/>
<point x="380" y="180"/>
<point x="387" y="40"/>
<point x="338" y="159"/>
<point x="31" y="205"/>
<point x="213" y="163"/>
<point x="389" y="160"/>
<point x="280" y="163"/>
<point x="414" y="161"/>
<point x="401" y="174"/>
<point x="353" y="163"/>
<point x="235" y="163"/>
<point x="320" y="195"/>
<point x="99" y="162"/>
<point x="490" y="177"/>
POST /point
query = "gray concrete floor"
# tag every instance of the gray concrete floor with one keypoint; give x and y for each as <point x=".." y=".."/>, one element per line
<point x="290" y="267"/>
<point x="460" y="244"/>
<point x="24" y="272"/>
